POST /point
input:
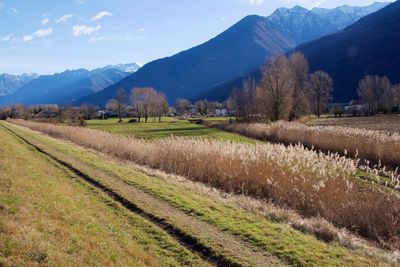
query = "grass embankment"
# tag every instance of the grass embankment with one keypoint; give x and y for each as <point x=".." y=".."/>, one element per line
<point x="314" y="184"/>
<point x="48" y="218"/>
<point x="278" y="238"/>
<point x="167" y="128"/>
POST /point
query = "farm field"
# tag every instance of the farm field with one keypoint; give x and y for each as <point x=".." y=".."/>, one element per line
<point x="213" y="220"/>
<point x="389" y="124"/>
<point x="167" y="128"/>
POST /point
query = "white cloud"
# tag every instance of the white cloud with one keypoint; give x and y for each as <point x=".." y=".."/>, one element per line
<point x="27" y="38"/>
<point x="45" y="21"/>
<point x="1" y="5"/>
<point x="79" y="30"/>
<point x="102" y="15"/>
<point x="80" y="2"/>
<point x="98" y="39"/>
<point x="43" y="32"/>
<point x="6" y="38"/>
<point x="141" y="30"/>
<point x="254" y="2"/>
<point x="64" y="18"/>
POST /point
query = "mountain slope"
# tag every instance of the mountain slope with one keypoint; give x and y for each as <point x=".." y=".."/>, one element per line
<point x="10" y="83"/>
<point x="241" y="49"/>
<point x="368" y="47"/>
<point x="68" y="86"/>
<point x="335" y="18"/>
<point x="245" y="45"/>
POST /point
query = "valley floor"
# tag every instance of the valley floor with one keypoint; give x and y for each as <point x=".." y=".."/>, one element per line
<point x="64" y="205"/>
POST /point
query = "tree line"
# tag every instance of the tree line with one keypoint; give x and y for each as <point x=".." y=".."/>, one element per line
<point x="379" y="95"/>
<point x="286" y="91"/>
<point x="145" y="103"/>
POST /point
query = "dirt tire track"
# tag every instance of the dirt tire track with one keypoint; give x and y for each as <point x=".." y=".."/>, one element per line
<point x="216" y="247"/>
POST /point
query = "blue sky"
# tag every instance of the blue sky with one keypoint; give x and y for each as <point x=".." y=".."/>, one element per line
<point x="47" y="36"/>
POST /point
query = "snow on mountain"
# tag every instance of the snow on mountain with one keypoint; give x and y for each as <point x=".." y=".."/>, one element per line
<point x="345" y="15"/>
<point x="10" y="83"/>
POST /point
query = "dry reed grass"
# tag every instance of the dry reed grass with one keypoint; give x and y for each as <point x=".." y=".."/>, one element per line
<point x="318" y="227"/>
<point x="380" y="147"/>
<point x="314" y="184"/>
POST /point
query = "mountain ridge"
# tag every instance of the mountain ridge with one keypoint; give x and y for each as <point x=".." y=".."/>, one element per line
<point x="237" y="51"/>
<point x="69" y="85"/>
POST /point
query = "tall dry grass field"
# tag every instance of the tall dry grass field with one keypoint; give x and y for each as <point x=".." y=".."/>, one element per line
<point x="314" y="184"/>
<point x="369" y="145"/>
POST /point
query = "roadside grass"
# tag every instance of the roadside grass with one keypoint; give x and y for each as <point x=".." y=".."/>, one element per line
<point x="278" y="238"/>
<point x="167" y="128"/>
<point x="49" y="218"/>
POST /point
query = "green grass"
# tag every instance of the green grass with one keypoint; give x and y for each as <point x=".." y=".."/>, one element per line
<point x="167" y="128"/>
<point x="279" y="239"/>
<point x="48" y="218"/>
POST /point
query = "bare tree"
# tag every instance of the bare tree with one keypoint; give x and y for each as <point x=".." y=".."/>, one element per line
<point x="88" y="111"/>
<point x="201" y="107"/>
<point x="376" y="93"/>
<point x="212" y="106"/>
<point x="21" y="111"/>
<point x="396" y="91"/>
<point x="243" y="100"/>
<point x="160" y="106"/>
<point x="320" y="88"/>
<point x="5" y="112"/>
<point x="120" y="98"/>
<point x="275" y="90"/>
<point x="182" y="106"/>
<point x="144" y="100"/>
<point x="300" y="72"/>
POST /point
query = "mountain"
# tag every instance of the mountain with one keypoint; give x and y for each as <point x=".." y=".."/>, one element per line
<point x="296" y="24"/>
<point x="370" y="46"/>
<point x="301" y="25"/>
<point x="10" y="83"/>
<point x="243" y="46"/>
<point x="68" y="86"/>
<point x="239" y="50"/>
<point x="344" y="16"/>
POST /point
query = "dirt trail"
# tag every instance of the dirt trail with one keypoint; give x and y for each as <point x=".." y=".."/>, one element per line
<point x="219" y="248"/>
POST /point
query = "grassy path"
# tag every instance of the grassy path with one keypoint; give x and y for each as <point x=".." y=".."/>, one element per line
<point x="200" y="237"/>
<point x="48" y="217"/>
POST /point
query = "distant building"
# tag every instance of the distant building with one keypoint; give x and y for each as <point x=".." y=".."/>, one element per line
<point x="105" y="114"/>
<point x="221" y="112"/>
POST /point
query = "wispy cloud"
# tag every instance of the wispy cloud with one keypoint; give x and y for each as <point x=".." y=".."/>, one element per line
<point x="254" y="2"/>
<point x="6" y="38"/>
<point x="43" y="32"/>
<point x="1" y="5"/>
<point x="45" y="21"/>
<point x="64" y="18"/>
<point x="27" y="38"/>
<point x="101" y="15"/>
<point x="79" y="30"/>
<point x="141" y="30"/>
